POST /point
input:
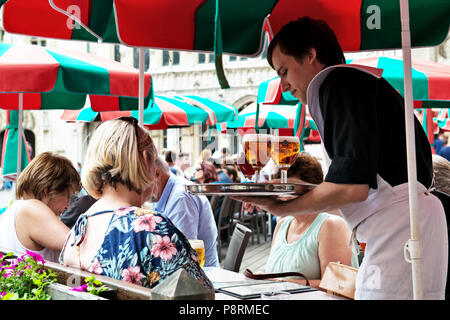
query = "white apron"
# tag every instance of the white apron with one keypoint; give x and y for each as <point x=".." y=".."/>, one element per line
<point x="382" y="222"/>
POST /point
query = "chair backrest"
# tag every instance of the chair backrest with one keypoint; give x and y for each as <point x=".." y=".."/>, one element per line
<point x="236" y="248"/>
<point x="213" y="202"/>
<point x="226" y="214"/>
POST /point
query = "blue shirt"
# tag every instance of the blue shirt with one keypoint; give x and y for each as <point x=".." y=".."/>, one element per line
<point x="438" y="144"/>
<point x="445" y="152"/>
<point x="191" y="214"/>
<point x="223" y="177"/>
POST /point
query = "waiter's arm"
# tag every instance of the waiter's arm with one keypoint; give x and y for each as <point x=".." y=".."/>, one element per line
<point x="325" y="197"/>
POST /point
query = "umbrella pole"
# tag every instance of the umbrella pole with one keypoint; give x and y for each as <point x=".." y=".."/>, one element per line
<point x="141" y="86"/>
<point x="19" y="144"/>
<point x="413" y="246"/>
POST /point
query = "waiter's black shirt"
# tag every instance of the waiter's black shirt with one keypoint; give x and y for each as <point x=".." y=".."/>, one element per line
<point x="364" y="131"/>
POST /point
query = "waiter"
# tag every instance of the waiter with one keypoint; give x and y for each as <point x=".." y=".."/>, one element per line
<point x="360" y="117"/>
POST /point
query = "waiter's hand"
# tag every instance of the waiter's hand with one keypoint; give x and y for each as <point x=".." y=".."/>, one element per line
<point x="272" y="204"/>
<point x="265" y="203"/>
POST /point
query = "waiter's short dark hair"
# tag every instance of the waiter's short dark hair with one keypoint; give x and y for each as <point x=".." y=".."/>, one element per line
<point x="298" y="36"/>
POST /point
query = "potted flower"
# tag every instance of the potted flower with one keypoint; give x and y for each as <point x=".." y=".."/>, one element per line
<point x="24" y="278"/>
<point x="93" y="286"/>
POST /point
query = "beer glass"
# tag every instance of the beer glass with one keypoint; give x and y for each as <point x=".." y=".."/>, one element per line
<point x="257" y="151"/>
<point x="245" y="167"/>
<point x="284" y="150"/>
<point x="199" y="248"/>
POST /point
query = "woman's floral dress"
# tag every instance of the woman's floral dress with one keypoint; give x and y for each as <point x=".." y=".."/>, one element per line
<point x="141" y="247"/>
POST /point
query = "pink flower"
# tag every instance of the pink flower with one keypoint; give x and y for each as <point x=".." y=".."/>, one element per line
<point x="146" y="223"/>
<point x="35" y="256"/>
<point x="95" y="267"/>
<point x="8" y="274"/>
<point x="82" y="288"/>
<point x="133" y="275"/>
<point x="123" y="211"/>
<point x="163" y="248"/>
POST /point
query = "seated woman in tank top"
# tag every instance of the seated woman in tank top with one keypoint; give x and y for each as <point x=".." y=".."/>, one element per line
<point x="42" y="194"/>
<point x="307" y="243"/>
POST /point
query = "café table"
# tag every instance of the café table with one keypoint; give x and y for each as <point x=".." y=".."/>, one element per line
<point x="222" y="277"/>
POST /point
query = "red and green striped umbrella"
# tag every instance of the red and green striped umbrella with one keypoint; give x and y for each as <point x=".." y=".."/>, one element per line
<point x="33" y="77"/>
<point x="224" y="26"/>
<point x="218" y="111"/>
<point x="270" y="117"/>
<point x="10" y="144"/>
<point x="431" y="82"/>
<point x="61" y="79"/>
<point x="269" y="92"/>
<point x="443" y="119"/>
<point x="191" y="25"/>
<point x="165" y="112"/>
<point x="281" y="117"/>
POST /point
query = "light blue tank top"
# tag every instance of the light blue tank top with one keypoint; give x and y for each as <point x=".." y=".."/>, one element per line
<point x="302" y="255"/>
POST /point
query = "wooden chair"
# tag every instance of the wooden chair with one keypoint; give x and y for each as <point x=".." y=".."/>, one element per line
<point x="236" y="248"/>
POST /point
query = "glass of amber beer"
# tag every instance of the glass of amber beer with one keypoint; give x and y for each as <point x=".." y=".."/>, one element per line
<point x="199" y="248"/>
<point x="257" y="149"/>
<point x="284" y="150"/>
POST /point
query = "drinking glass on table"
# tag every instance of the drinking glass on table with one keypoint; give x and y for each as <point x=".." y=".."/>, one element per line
<point x="284" y="150"/>
<point x="275" y="295"/>
<point x="199" y="248"/>
<point x="257" y="151"/>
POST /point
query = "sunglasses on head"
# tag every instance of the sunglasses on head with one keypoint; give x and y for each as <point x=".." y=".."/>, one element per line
<point x="132" y="121"/>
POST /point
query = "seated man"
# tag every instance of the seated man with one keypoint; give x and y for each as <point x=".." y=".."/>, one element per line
<point x="191" y="214"/>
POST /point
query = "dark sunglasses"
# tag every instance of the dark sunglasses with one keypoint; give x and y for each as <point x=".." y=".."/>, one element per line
<point x="134" y="122"/>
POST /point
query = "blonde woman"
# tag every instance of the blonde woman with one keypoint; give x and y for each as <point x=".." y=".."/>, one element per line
<point x="115" y="237"/>
<point x="43" y="192"/>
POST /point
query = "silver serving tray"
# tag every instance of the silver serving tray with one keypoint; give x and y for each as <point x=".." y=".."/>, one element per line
<point x="246" y="189"/>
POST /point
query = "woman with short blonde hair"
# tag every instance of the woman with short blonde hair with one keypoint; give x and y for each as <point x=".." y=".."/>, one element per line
<point x="43" y="192"/>
<point x="115" y="237"/>
<point x="113" y="156"/>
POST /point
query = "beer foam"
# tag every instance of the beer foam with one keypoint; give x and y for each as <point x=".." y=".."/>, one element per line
<point x="286" y="138"/>
<point x="196" y="243"/>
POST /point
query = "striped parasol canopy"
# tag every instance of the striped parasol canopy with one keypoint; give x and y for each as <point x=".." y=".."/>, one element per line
<point x="270" y="117"/>
<point x="431" y="81"/>
<point x="269" y="92"/>
<point x="235" y="27"/>
<point x="10" y="142"/>
<point x="281" y="117"/>
<point x="162" y="113"/>
<point x="193" y="25"/>
<point x="33" y="77"/>
<point x="443" y="119"/>
<point x="218" y="111"/>
<point x="61" y="79"/>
